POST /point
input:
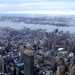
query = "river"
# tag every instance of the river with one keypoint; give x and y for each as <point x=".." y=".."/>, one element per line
<point x="49" y="28"/>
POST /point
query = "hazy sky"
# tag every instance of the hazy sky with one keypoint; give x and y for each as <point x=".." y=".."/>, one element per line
<point x="38" y="6"/>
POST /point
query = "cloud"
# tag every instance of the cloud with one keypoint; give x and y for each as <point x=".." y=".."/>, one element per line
<point x="24" y="1"/>
<point x="38" y="6"/>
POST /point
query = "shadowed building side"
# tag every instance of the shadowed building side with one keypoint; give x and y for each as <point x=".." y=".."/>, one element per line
<point x="1" y="65"/>
<point x="28" y="64"/>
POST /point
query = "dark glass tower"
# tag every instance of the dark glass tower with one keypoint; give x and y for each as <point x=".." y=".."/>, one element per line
<point x="1" y="65"/>
<point x="28" y="64"/>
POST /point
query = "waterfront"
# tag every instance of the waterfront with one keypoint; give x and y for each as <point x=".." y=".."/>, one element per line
<point x="34" y="26"/>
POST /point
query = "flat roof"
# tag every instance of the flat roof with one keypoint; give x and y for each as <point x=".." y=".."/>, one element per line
<point x="60" y="49"/>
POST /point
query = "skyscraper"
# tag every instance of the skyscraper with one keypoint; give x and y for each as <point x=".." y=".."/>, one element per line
<point x="28" y="64"/>
<point x="1" y="65"/>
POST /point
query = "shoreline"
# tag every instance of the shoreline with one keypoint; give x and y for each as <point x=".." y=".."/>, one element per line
<point x="58" y="25"/>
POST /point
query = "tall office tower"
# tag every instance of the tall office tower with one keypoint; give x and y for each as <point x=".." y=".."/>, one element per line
<point x="1" y="65"/>
<point x="13" y="71"/>
<point x="72" y="70"/>
<point x="60" y="70"/>
<point x="28" y="64"/>
<point x="54" y="46"/>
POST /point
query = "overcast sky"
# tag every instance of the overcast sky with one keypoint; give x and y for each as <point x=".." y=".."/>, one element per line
<point x="38" y="6"/>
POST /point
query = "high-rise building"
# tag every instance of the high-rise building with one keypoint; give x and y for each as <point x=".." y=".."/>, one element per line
<point x="72" y="69"/>
<point x="1" y="65"/>
<point x="60" y="70"/>
<point x="28" y="64"/>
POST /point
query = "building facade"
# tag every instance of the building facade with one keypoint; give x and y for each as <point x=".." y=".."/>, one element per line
<point x="28" y="64"/>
